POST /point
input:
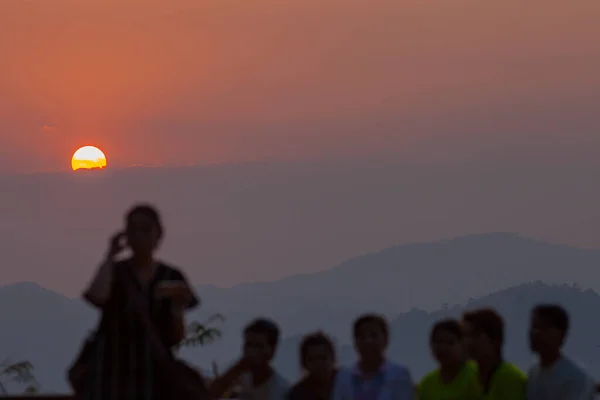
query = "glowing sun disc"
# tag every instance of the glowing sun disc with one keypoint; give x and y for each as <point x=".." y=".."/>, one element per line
<point x="88" y="157"/>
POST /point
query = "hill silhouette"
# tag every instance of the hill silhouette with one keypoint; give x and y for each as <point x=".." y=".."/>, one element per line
<point x="423" y="275"/>
<point x="405" y="282"/>
<point x="230" y="224"/>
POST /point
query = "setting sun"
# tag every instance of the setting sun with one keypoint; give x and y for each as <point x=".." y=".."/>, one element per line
<point x="88" y="157"/>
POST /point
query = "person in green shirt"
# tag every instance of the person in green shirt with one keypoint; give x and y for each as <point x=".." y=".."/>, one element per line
<point x="456" y="377"/>
<point x="483" y="330"/>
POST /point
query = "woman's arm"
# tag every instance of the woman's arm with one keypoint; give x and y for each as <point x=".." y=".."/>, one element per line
<point x="99" y="290"/>
<point x="177" y="329"/>
<point x="180" y="299"/>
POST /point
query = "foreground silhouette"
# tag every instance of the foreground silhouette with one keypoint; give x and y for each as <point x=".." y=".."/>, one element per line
<point x="142" y="301"/>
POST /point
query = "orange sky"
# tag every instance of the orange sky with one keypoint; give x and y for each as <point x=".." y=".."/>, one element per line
<point x="187" y="81"/>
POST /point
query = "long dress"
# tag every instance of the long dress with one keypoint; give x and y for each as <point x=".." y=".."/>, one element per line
<point x="121" y="367"/>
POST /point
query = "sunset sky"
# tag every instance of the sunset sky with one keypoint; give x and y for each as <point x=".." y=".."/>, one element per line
<point x="376" y="122"/>
<point x="288" y="138"/>
<point x="193" y="82"/>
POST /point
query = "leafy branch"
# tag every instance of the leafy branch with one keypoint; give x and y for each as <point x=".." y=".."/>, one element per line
<point x="20" y="372"/>
<point x="201" y="333"/>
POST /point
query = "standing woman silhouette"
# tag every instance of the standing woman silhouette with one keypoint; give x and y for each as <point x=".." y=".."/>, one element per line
<point x="121" y="366"/>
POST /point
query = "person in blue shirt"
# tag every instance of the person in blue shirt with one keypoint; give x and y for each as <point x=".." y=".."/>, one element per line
<point x="373" y="377"/>
<point x="554" y="377"/>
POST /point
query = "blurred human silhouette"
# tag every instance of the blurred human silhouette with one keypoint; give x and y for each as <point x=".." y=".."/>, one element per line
<point x="554" y="377"/>
<point x="253" y="373"/>
<point x="373" y="377"/>
<point x="317" y="358"/>
<point x="456" y="376"/>
<point x="484" y="337"/>
<point x="121" y="365"/>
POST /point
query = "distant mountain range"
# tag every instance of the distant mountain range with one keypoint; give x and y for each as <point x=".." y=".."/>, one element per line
<point x="46" y="328"/>
<point x="397" y="279"/>
<point x="256" y="222"/>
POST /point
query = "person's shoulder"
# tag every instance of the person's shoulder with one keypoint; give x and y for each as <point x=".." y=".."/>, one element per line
<point x="573" y="370"/>
<point x="279" y="386"/>
<point x="122" y="268"/>
<point x="510" y="372"/>
<point x="280" y="381"/>
<point x="342" y="385"/>
<point x="429" y="379"/>
<point x="471" y="367"/>
<point x="245" y="381"/>
<point x="343" y="376"/>
<point x="397" y="367"/>
<point x="123" y="262"/>
<point x="398" y="371"/>
<point x="244" y="384"/>
<point x="567" y="364"/>
<point x="533" y="371"/>
<point x="297" y="391"/>
<point x="510" y="369"/>
<point x="171" y="272"/>
<point x="508" y="382"/>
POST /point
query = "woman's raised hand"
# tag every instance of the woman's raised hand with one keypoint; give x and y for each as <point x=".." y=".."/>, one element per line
<point x="117" y="244"/>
